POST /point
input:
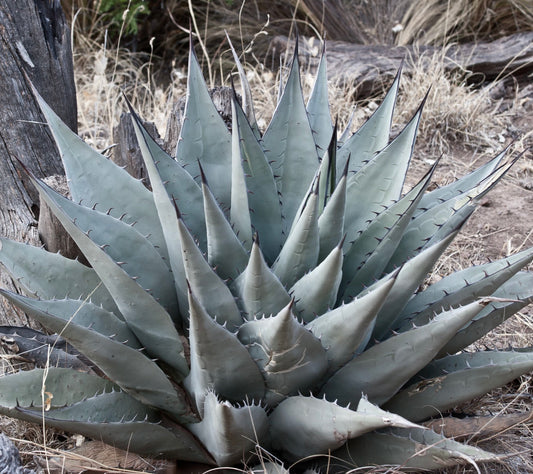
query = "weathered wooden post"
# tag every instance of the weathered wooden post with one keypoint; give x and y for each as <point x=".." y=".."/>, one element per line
<point x="34" y="45"/>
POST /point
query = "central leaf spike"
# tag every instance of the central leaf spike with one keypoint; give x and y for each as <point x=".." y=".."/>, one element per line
<point x="219" y="362"/>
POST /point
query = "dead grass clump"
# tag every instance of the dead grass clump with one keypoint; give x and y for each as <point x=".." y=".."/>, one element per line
<point x="455" y="113"/>
<point x="441" y="22"/>
<point x="104" y="77"/>
<point x="30" y="438"/>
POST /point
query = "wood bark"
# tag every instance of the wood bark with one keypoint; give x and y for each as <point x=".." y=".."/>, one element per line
<point x="127" y="152"/>
<point x="34" y="46"/>
<point x="477" y="427"/>
<point x="43" y="350"/>
<point x="373" y="67"/>
<point x="51" y="232"/>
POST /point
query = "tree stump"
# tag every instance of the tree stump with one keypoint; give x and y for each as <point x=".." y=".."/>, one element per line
<point x="127" y="152"/>
<point x="50" y="230"/>
<point x="34" y="46"/>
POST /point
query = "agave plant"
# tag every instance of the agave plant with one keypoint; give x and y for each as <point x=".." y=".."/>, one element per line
<point x="267" y="290"/>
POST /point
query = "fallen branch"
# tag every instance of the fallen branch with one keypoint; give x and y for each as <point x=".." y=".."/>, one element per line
<point x="477" y="426"/>
<point x="373" y="67"/>
<point x="97" y="457"/>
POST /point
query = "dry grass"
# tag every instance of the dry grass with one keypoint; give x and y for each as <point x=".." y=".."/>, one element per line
<point x="440" y="22"/>
<point x="437" y="22"/>
<point x="454" y="112"/>
<point x="104" y="76"/>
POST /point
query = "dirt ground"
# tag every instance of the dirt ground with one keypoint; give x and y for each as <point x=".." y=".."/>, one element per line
<point x="504" y="222"/>
<point x="502" y="225"/>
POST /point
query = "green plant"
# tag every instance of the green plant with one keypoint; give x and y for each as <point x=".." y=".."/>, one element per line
<point x="302" y="332"/>
<point x="124" y="14"/>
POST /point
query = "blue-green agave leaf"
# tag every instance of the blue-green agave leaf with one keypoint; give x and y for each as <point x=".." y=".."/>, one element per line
<point x="461" y="185"/>
<point x="461" y="288"/>
<point x="316" y="291"/>
<point x="414" y="449"/>
<point x="432" y="224"/>
<point x="314" y="188"/>
<point x="289" y="146"/>
<point x="230" y="433"/>
<point x="85" y="166"/>
<point x="116" y="419"/>
<point x="240" y="210"/>
<point x="127" y="367"/>
<point x="204" y="137"/>
<point x="342" y="329"/>
<point x="122" y="243"/>
<point x="64" y="387"/>
<point x="429" y="227"/>
<point x="208" y="287"/>
<point x="305" y="426"/>
<point x="219" y="362"/>
<point x="457" y="379"/>
<point x="381" y="370"/>
<point x="167" y="215"/>
<point x="331" y="220"/>
<point x="511" y="297"/>
<point x="300" y="252"/>
<point x="373" y="136"/>
<point x="484" y="186"/>
<point x="156" y="332"/>
<point x="82" y="313"/>
<point x="488" y="319"/>
<point x="263" y="198"/>
<point x="290" y="357"/>
<point x="318" y="107"/>
<point x="104" y="407"/>
<point x="379" y="182"/>
<point x="49" y="275"/>
<point x="454" y="220"/>
<point x="259" y="290"/>
<point x="469" y="360"/>
<point x="327" y="173"/>
<point x="166" y="173"/>
<point x="224" y="250"/>
<point x="410" y="277"/>
<point x="368" y="256"/>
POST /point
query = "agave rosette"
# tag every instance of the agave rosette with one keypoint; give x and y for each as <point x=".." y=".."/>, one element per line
<point x="264" y="291"/>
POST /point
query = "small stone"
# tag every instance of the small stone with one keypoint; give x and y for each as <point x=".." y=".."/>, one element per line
<point x="9" y="458"/>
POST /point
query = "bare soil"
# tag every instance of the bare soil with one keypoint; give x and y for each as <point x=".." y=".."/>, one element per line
<point x="502" y="225"/>
<point x="504" y="222"/>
